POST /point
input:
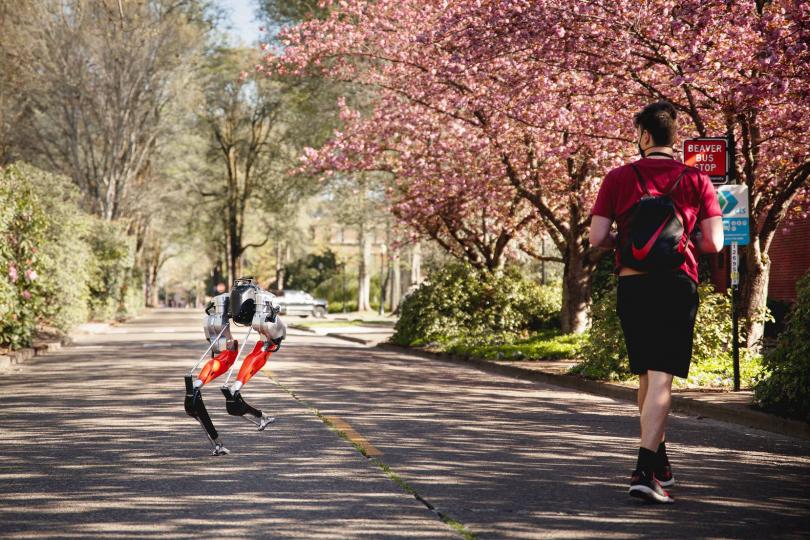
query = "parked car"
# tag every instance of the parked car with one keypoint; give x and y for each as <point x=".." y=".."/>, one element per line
<point x="296" y="302"/>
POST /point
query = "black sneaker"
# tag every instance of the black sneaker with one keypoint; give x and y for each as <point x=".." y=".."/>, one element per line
<point x="645" y="486"/>
<point x="664" y="476"/>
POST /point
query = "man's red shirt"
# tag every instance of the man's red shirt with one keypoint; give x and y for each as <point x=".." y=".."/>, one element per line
<point x="695" y="197"/>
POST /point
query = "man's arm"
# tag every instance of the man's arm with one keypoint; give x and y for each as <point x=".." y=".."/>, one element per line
<point x="600" y="235"/>
<point x="709" y="238"/>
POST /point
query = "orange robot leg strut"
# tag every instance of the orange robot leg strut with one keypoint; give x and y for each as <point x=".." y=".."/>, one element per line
<point x="217" y="366"/>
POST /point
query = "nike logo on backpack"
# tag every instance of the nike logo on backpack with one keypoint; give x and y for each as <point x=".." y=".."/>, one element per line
<point x="641" y="254"/>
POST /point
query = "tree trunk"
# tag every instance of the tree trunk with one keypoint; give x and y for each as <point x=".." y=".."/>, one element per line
<point x="151" y="281"/>
<point x="416" y="264"/>
<point x="396" y="286"/>
<point x="754" y="295"/>
<point x="363" y="274"/>
<point x="385" y="282"/>
<point x="577" y="279"/>
<point x="279" y="267"/>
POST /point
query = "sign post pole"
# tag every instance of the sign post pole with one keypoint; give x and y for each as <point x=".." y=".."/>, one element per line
<point x="733" y="199"/>
<point x="735" y="268"/>
<point x="735" y="329"/>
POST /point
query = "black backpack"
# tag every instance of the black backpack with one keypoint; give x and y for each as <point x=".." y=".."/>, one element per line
<point x="656" y="239"/>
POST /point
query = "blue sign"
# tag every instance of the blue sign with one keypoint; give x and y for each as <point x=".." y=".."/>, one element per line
<point x="735" y="230"/>
<point x="734" y="205"/>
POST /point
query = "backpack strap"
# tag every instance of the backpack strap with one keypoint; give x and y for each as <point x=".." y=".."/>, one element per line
<point x="677" y="181"/>
<point x="644" y="184"/>
<point x="641" y="181"/>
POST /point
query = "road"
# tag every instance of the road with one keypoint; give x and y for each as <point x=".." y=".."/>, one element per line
<point x="94" y="443"/>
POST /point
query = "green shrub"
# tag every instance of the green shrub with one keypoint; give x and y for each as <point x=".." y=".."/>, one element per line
<point x="310" y="271"/>
<point x="58" y="265"/>
<point x="605" y="355"/>
<point x="63" y="250"/>
<point x="331" y="289"/>
<point x="23" y="228"/>
<point x="604" y="352"/>
<point x="460" y="301"/>
<point x="785" y="387"/>
<point x="112" y="283"/>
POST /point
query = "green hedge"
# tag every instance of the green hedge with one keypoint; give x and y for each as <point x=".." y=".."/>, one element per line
<point x="58" y="265"/>
<point x="23" y="226"/>
<point x="459" y="301"/>
<point x="785" y="386"/>
<point x="605" y="355"/>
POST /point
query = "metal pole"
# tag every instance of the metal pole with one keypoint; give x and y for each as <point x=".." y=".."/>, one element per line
<point x="238" y="354"/>
<point x="735" y="268"/>
<point x="210" y="346"/>
<point x="735" y="331"/>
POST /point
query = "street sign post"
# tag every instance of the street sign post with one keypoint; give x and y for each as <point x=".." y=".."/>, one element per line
<point x="709" y="155"/>
<point x="736" y="232"/>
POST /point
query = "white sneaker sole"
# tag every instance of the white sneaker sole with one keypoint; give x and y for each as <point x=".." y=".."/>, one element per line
<point x="668" y="483"/>
<point x="264" y="425"/>
<point x="643" y="492"/>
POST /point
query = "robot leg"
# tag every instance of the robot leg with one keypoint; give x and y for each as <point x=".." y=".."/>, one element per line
<point x="234" y="402"/>
<point x="217" y="366"/>
<point x="196" y="409"/>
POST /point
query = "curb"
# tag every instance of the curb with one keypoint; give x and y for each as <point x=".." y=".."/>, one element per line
<point x="344" y="337"/>
<point x="302" y="328"/>
<point x="742" y="416"/>
<point x="353" y="339"/>
<point x="15" y="358"/>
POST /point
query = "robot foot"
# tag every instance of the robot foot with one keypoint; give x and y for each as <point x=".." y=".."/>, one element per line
<point x="220" y="450"/>
<point x="265" y="421"/>
<point x="237" y="406"/>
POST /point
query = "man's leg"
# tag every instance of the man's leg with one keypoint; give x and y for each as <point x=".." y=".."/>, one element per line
<point x="657" y="400"/>
<point x="642" y="392"/>
<point x="643" y="384"/>
<point x="654" y="409"/>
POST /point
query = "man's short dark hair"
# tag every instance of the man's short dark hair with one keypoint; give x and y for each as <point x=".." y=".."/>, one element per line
<point x="658" y="119"/>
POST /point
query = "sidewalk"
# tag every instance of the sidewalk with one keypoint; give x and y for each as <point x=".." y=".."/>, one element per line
<point x="733" y="407"/>
<point x="364" y="328"/>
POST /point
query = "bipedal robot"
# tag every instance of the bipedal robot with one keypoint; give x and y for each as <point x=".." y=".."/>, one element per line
<point x="245" y="305"/>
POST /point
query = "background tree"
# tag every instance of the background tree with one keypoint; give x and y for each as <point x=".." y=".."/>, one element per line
<point x="102" y="74"/>
<point x="242" y="120"/>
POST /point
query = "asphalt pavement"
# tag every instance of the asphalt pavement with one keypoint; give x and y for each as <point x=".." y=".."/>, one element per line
<point x="368" y="443"/>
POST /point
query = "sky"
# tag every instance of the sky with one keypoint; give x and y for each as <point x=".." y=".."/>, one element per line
<point x="239" y="24"/>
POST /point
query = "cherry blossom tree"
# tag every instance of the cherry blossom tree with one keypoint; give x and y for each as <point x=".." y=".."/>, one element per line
<point x="545" y="91"/>
<point x="394" y="48"/>
<point x="730" y="67"/>
<point x="442" y="183"/>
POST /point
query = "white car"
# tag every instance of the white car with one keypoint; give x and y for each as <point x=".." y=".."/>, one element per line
<point x="296" y="302"/>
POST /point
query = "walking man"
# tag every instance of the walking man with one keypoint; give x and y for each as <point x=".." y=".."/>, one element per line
<point x="665" y="213"/>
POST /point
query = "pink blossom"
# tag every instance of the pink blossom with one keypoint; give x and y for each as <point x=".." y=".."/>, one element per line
<point x="26" y="294"/>
<point x="31" y="275"/>
<point x="12" y="273"/>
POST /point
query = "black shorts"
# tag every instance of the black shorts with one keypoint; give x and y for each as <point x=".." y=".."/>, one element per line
<point x="657" y="313"/>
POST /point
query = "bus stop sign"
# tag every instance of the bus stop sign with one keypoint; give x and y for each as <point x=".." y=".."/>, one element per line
<point x="710" y="155"/>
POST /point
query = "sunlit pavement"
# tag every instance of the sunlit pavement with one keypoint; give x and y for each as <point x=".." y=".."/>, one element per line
<point x="95" y="443"/>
